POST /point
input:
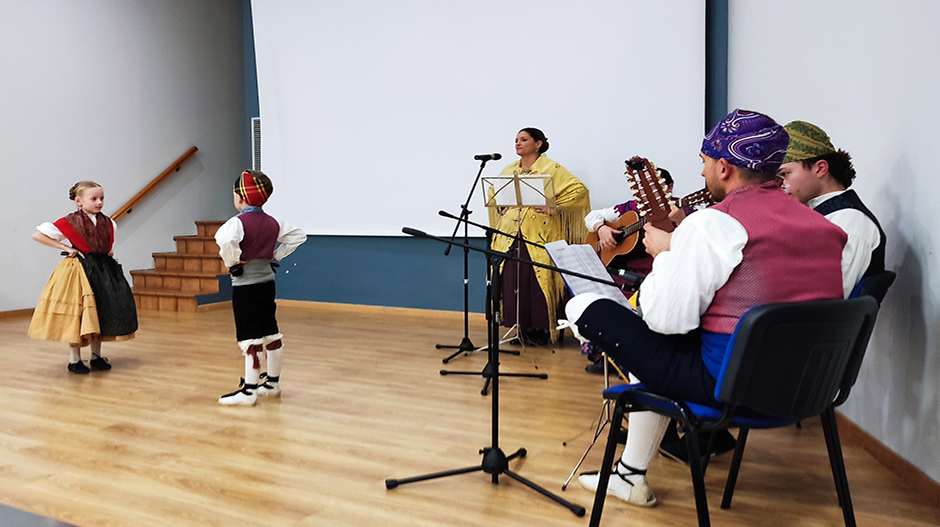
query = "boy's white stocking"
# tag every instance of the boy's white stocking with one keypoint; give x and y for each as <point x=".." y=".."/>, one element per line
<point x="274" y="362"/>
<point x="252" y="366"/>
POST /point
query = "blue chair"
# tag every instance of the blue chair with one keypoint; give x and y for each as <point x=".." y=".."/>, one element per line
<point x="785" y="362"/>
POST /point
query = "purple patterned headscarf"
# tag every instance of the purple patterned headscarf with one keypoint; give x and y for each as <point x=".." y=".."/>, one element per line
<point x="749" y="140"/>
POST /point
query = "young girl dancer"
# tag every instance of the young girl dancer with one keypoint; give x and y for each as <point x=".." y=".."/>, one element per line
<point x="87" y="299"/>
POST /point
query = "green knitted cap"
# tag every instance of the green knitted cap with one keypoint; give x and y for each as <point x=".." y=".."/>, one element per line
<point x="806" y="142"/>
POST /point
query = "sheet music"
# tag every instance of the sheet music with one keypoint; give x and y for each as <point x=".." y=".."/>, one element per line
<point x="582" y="259"/>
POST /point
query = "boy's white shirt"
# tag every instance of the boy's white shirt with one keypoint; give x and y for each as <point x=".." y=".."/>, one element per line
<point x="863" y="238"/>
<point x="231" y="233"/>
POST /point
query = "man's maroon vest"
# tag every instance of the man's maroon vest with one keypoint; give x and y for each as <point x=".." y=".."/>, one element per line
<point x="792" y="254"/>
<point x="260" y="237"/>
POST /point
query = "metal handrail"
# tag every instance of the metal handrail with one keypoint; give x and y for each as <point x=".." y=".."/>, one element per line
<point x="174" y="167"/>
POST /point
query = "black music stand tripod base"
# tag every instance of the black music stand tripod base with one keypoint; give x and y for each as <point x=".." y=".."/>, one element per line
<point x="487" y="374"/>
<point x="465" y="346"/>
<point x="495" y="462"/>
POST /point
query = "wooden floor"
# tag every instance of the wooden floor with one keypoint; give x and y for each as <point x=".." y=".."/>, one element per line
<point x="146" y="444"/>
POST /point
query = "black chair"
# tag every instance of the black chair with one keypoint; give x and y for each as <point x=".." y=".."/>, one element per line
<point x="786" y="362"/>
<point x="875" y="286"/>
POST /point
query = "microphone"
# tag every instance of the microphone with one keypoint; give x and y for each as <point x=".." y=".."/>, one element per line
<point x="414" y="232"/>
<point x="635" y="278"/>
<point x="487" y="157"/>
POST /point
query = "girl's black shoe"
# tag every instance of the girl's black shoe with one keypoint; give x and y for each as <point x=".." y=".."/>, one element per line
<point x="99" y="363"/>
<point x="78" y="367"/>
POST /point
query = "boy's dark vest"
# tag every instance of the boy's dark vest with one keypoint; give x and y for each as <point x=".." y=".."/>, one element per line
<point x="260" y="237"/>
<point x="850" y="200"/>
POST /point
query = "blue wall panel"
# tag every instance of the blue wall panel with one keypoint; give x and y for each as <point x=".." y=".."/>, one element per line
<point x="378" y="271"/>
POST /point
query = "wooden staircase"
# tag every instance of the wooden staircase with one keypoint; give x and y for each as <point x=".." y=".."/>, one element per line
<point x="177" y="278"/>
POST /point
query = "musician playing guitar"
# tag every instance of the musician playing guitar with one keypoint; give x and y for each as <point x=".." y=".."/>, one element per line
<point x="634" y="260"/>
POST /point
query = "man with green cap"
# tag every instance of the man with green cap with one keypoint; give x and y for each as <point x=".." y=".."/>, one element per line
<point x="818" y="175"/>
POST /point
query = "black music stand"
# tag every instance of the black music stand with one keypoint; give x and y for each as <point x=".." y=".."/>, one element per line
<point x="495" y="462"/>
<point x="487" y="372"/>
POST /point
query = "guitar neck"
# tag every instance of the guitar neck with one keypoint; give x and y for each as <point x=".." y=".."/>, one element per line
<point x="627" y="231"/>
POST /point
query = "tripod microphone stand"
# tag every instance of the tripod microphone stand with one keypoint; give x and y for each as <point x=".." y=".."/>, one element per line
<point x="495" y="462"/>
<point x="466" y="345"/>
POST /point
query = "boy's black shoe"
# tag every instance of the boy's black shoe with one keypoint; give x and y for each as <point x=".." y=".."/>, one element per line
<point x="78" y="367"/>
<point x="675" y="448"/>
<point x="99" y="363"/>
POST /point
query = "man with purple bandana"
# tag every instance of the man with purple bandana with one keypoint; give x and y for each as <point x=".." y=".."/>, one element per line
<point x="747" y="250"/>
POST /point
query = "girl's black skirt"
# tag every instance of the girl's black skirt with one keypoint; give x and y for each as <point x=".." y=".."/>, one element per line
<point x="117" y="313"/>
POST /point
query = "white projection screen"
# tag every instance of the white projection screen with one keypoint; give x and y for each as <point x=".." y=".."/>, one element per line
<point x="372" y="110"/>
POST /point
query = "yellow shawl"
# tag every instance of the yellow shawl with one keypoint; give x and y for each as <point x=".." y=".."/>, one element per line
<point x="566" y="222"/>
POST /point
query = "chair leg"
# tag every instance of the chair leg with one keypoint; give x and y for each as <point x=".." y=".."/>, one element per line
<point x="607" y="465"/>
<point x="698" y="474"/>
<point x="831" y="431"/>
<point x="835" y="473"/>
<point x="735" y="467"/>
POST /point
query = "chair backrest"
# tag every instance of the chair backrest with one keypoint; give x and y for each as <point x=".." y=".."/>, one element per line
<point x="875" y="286"/>
<point x="790" y="359"/>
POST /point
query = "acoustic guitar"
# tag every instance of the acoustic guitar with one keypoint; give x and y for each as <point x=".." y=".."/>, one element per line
<point x="630" y="224"/>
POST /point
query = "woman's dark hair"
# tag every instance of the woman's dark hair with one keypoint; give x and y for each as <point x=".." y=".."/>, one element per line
<point x="537" y="135"/>
<point x="840" y="166"/>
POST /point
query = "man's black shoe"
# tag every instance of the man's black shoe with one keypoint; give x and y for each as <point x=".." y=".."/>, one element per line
<point x="675" y="448"/>
<point x="597" y="368"/>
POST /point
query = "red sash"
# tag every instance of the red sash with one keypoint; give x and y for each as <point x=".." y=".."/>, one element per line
<point x="78" y="241"/>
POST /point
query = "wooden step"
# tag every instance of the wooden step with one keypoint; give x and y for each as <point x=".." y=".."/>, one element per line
<point x="154" y="300"/>
<point x="176" y="282"/>
<point x="208" y="228"/>
<point x="177" y="278"/>
<point x="196" y="245"/>
<point x="193" y="263"/>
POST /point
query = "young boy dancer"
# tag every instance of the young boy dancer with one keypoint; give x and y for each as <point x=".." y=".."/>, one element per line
<point x="247" y="246"/>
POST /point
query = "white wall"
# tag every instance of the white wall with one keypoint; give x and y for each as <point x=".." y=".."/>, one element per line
<point x="114" y="91"/>
<point x="382" y="105"/>
<point x="868" y="72"/>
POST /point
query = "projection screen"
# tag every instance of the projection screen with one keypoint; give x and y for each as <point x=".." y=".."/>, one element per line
<point x="373" y="110"/>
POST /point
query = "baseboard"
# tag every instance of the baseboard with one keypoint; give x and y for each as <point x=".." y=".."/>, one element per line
<point x="16" y="313"/>
<point x="850" y="432"/>
<point x="359" y="308"/>
<point x="215" y="306"/>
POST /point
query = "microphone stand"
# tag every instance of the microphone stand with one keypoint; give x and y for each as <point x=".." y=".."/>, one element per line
<point x="466" y="345"/>
<point x="495" y="462"/>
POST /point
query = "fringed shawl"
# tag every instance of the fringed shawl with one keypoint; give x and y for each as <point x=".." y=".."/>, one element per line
<point x="566" y="222"/>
